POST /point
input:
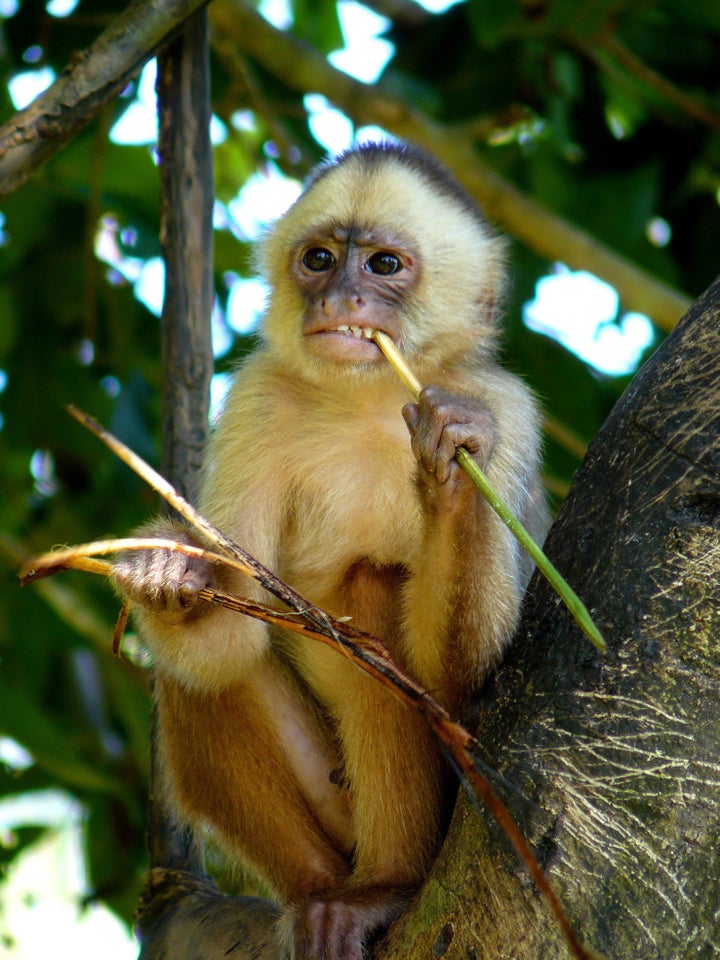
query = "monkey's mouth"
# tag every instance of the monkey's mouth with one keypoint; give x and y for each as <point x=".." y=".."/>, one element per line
<point x="345" y="342"/>
<point x="365" y="333"/>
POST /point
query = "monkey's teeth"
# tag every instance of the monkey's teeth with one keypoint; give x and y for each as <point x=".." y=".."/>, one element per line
<point x="366" y="333"/>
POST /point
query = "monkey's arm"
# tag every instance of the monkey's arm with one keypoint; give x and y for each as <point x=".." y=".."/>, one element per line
<point x="469" y="575"/>
<point x="203" y="646"/>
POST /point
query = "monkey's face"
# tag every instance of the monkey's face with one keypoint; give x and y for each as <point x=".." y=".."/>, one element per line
<point x="377" y="244"/>
<point x="352" y="281"/>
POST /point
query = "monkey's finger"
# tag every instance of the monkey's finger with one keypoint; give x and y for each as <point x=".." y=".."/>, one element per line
<point x="162" y="580"/>
<point x="411" y="416"/>
<point x="133" y="574"/>
<point x="191" y="584"/>
<point x="180" y="582"/>
<point x="478" y="438"/>
<point x="434" y="444"/>
<point x="445" y="454"/>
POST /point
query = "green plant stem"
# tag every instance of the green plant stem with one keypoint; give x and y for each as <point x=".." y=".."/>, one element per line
<point x="571" y="600"/>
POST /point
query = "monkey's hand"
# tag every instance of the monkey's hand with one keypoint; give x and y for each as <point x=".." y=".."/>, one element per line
<point x="165" y="582"/>
<point x="439" y="423"/>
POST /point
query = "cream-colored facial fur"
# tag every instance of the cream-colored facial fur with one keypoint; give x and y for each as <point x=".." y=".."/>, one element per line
<point x="462" y="262"/>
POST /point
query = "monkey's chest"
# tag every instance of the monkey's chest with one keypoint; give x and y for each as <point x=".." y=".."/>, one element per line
<point x="349" y="521"/>
<point x="351" y="535"/>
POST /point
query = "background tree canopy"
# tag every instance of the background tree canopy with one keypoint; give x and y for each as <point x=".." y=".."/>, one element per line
<point x="590" y="131"/>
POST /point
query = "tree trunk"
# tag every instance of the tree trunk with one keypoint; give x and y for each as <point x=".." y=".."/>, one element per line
<point x="614" y="760"/>
<point x="186" y="176"/>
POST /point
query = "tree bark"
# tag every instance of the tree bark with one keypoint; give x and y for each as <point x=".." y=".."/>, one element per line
<point x="186" y="176"/>
<point x="187" y="197"/>
<point x="93" y="79"/>
<point x="610" y="763"/>
<point x="185" y="917"/>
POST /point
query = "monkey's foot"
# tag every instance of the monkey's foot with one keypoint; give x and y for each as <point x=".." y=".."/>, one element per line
<point x="339" y="928"/>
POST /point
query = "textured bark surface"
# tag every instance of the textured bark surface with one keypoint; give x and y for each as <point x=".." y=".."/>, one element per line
<point x="186" y="169"/>
<point x="184" y="917"/>
<point x="91" y="81"/>
<point x="187" y="360"/>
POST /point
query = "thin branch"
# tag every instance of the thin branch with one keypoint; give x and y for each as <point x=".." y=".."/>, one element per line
<point x="252" y="567"/>
<point x="93" y="209"/>
<point x="302" y="68"/>
<point x="70" y="607"/>
<point x="93" y="79"/>
<point x="614" y="58"/>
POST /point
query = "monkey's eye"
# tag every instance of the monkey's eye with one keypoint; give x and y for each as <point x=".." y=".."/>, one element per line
<point x="318" y="260"/>
<point x="384" y="263"/>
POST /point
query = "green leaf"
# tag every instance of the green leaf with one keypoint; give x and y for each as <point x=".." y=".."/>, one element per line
<point x="317" y="22"/>
<point x="494" y="23"/>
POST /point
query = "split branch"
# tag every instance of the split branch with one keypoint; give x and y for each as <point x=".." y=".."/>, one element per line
<point x="91" y="81"/>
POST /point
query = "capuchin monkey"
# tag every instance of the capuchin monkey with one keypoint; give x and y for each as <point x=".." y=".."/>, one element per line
<point x="302" y="766"/>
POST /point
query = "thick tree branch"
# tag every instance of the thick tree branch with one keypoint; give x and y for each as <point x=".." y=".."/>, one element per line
<point x="614" y="760"/>
<point x="92" y="80"/>
<point x="304" y="69"/>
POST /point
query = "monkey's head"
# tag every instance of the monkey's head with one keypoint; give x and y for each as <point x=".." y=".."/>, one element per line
<point x="384" y="238"/>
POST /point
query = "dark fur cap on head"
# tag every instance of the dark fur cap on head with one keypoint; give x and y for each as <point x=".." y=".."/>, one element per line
<point x="372" y="155"/>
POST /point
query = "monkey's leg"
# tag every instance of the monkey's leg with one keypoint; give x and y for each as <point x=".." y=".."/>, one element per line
<point x="394" y="771"/>
<point x="254" y="762"/>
